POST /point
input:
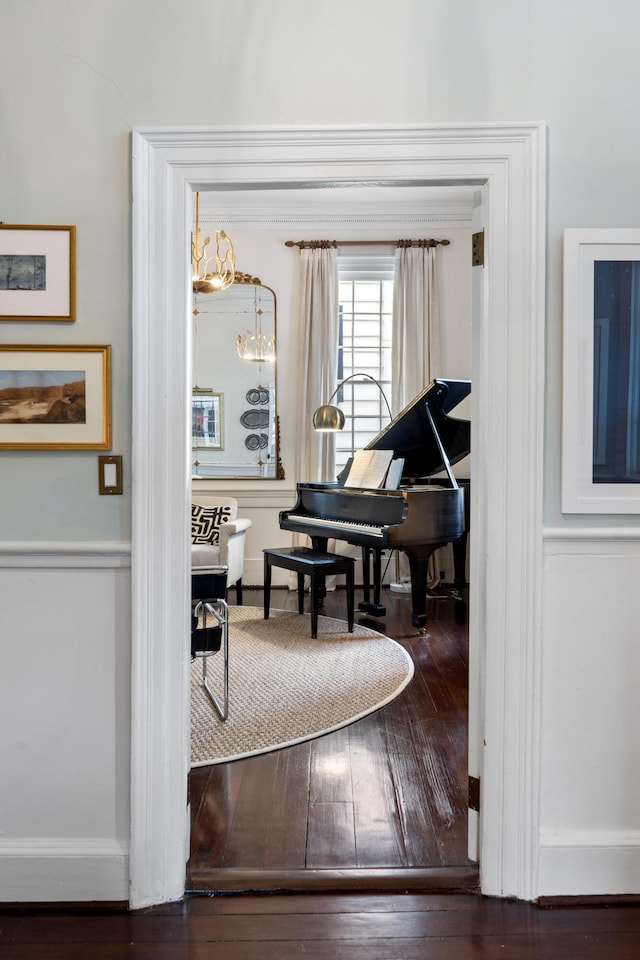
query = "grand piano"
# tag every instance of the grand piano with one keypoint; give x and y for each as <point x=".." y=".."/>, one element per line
<point x="424" y="513"/>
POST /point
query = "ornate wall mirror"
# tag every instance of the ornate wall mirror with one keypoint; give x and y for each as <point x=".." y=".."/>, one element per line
<point x="235" y="422"/>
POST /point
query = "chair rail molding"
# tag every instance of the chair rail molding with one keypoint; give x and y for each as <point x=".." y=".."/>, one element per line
<point x="507" y="164"/>
<point x="64" y="553"/>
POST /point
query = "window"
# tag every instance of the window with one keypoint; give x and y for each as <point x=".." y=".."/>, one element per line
<point x="364" y="346"/>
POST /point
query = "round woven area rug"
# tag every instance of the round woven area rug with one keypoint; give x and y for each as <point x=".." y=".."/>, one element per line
<point x="285" y="687"/>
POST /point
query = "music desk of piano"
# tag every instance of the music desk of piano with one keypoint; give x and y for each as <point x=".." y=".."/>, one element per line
<point x="425" y="513"/>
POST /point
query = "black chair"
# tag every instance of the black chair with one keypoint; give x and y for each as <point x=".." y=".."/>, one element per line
<point x="210" y="629"/>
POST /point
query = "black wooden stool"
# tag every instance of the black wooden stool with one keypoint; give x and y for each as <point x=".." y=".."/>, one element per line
<point x="317" y="566"/>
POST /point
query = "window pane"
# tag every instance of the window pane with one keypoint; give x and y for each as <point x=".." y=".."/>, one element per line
<point x="365" y="348"/>
<point x="368" y="327"/>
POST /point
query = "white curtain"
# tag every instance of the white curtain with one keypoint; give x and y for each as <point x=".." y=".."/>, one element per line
<point x="318" y="359"/>
<point x="317" y="369"/>
<point x="415" y="353"/>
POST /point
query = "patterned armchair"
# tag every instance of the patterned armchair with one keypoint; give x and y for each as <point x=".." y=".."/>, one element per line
<point x="218" y="537"/>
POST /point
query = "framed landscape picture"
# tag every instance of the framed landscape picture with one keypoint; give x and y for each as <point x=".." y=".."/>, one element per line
<point x="55" y="397"/>
<point x="37" y="272"/>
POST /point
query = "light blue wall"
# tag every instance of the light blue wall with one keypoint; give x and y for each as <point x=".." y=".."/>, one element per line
<point x="77" y="76"/>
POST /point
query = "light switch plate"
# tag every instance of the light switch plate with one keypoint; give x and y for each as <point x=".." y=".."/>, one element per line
<point x="110" y="474"/>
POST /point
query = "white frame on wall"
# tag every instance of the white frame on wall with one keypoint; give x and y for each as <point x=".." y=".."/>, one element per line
<point x="56" y="247"/>
<point x="582" y="248"/>
<point x="507" y="164"/>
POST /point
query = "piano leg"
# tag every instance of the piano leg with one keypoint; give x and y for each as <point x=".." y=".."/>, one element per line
<point x="375" y="609"/>
<point x="460" y="562"/>
<point x="377" y="575"/>
<point x="460" y="546"/>
<point x="366" y="579"/>
<point x="418" y="568"/>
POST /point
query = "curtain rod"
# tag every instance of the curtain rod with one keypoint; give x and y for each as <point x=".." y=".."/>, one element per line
<point x="305" y="244"/>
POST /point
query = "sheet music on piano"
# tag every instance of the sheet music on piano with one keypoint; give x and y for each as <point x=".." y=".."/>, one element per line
<point x="394" y="474"/>
<point x="369" y="469"/>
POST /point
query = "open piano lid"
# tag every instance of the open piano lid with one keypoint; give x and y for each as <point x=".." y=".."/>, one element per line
<point x="410" y="434"/>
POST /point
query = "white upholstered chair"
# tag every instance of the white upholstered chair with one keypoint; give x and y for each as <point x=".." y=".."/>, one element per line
<point x="218" y="537"/>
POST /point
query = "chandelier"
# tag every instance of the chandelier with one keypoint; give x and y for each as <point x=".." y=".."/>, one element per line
<point x="225" y="260"/>
<point x="254" y="344"/>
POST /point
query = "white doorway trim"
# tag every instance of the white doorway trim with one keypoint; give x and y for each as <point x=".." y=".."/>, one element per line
<point x="508" y="162"/>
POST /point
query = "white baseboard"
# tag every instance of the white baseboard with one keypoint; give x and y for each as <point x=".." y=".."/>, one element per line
<point x="590" y="865"/>
<point x="63" y="870"/>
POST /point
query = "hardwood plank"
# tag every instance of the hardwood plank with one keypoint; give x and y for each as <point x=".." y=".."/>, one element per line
<point x="214" y="812"/>
<point x="248" y="833"/>
<point x="331" y="835"/>
<point x="379" y="840"/>
<point x="419" y="835"/>
<point x="459" y="928"/>
<point x="614" y="947"/>
<point x="198" y="779"/>
<point x="286" y="840"/>
<point x="430" y="678"/>
<point x="483" y="919"/>
<point x="449" y="655"/>
<point x="324" y="927"/>
<point x="330" y="780"/>
<point x="320" y="902"/>
<point x="446" y="799"/>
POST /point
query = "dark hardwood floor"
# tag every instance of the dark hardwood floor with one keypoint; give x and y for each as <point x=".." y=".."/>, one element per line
<point x="381" y="803"/>
<point x="324" y="927"/>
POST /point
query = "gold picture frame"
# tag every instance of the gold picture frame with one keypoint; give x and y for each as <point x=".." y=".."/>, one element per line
<point x="37" y="272"/>
<point x="55" y="397"/>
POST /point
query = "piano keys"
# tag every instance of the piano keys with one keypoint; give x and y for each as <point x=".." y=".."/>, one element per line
<point x="425" y="513"/>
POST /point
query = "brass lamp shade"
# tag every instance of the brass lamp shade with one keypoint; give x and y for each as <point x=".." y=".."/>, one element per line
<point x="328" y="419"/>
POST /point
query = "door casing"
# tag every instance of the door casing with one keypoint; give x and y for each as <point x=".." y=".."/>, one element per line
<point x="507" y="162"/>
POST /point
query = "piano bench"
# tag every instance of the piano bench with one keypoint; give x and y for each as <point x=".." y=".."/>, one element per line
<point x="317" y="566"/>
